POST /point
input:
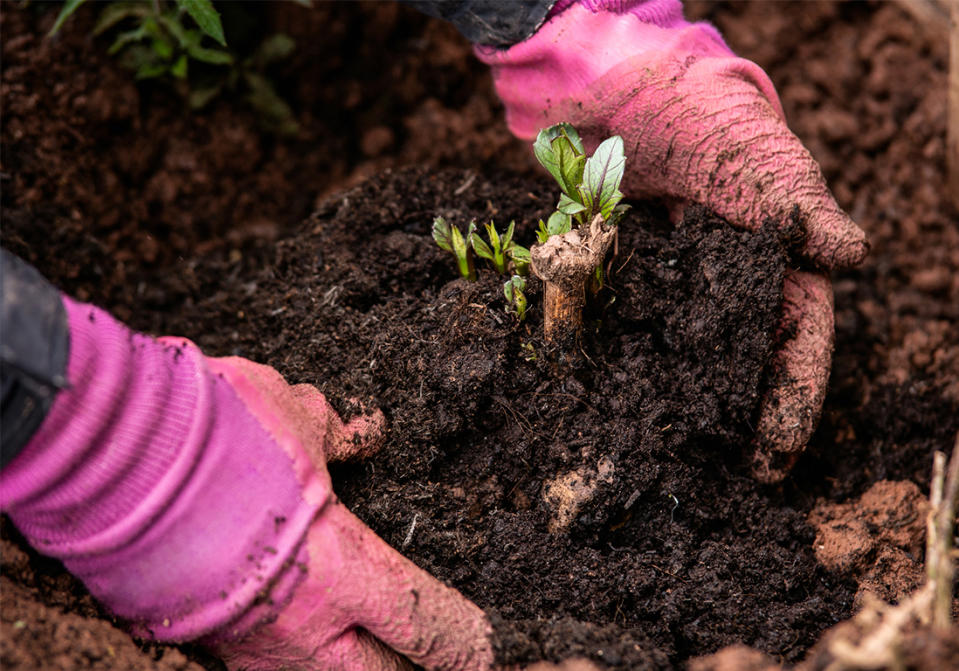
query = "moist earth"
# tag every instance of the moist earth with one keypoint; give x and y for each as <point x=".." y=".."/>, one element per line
<point x="199" y="224"/>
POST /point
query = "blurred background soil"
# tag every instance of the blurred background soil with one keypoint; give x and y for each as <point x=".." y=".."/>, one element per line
<point x="118" y="193"/>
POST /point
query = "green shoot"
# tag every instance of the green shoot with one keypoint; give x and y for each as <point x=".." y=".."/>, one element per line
<point x="452" y="240"/>
<point x="574" y="241"/>
<point x="501" y="249"/>
<point x="514" y="290"/>
<point x="558" y="224"/>
<point x="589" y="186"/>
<point x="520" y="258"/>
<point x="183" y="42"/>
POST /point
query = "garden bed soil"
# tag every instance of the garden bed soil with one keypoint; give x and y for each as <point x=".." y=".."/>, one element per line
<point x="200" y="225"/>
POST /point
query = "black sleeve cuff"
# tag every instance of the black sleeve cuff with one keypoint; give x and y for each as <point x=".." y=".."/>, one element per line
<point x="34" y="346"/>
<point x="497" y="23"/>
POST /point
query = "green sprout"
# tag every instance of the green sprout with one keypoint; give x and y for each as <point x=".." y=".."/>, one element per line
<point x="514" y="290"/>
<point x="160" y="43"/>
<point x="584" y="221"/>
<point x="452" y="240"/>
<point x="589" y="185"/>
<point x="501" y="250"/>
<point x="183" y="42"/>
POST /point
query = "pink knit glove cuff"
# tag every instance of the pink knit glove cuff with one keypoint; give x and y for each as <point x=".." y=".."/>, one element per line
<point x="586" y="39"/>
<point x="662" y="13"/>
<point x="150" y="466"/>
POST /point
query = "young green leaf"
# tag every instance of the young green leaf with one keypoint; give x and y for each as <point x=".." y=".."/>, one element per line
<point x="115" y="12"/>
<point x="450" y="239"/>
<point x="603" y="175"/>
<point x="481" y="248"/>
<point x="514" y="290"/>
<point x="520" y="258"/>
<point x="69" y="7"/>
<point x="558" y="224"/>
<point x="569" y="206"/>
<point x="560" y="151"/>
<point x="206" y="17"/>
<point x="507" y="239"/>
<point x="442" y="234"/>
<point x="495" y="251"/>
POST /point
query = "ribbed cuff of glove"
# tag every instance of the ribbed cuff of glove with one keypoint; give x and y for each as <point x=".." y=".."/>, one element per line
<point x="157" y="486"/>
<point x="584" y="40"/>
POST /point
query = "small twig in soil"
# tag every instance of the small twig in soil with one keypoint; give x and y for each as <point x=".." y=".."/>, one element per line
<point x="940" y="570"/>
<point x="409" y="534"/>
<point x="883" y="625"/>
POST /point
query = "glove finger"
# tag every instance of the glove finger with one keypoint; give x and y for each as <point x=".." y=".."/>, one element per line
<point x="790" y="410"/>
<point x="359" y="438"/>
<point x="358" y="650"/>
<point x="353" y="650"/>
<point x="711" y="132"/>
<point x="406" y="608"/>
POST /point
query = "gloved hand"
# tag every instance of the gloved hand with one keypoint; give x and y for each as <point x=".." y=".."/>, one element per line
<point x="191" y="496"/>
<point x="699" y="124"/>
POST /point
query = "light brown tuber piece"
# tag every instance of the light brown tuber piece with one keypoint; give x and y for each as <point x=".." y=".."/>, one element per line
<point x="565" y="263"/>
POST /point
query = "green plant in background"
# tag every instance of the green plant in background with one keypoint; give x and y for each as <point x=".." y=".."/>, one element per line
<point x="515" y="292"/>
<point x="183" y="40"/>
<point x="450" y="238"/>
<point x="501" y="249"/>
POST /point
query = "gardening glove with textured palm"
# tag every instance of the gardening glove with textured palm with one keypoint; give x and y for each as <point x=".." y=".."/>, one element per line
<point x="699" y="124"/>
<point x="191" y="496"/>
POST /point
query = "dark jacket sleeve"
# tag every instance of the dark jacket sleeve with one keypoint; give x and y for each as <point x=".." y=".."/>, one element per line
<point x="497" y="23"/>
<point x="34" y="345"/>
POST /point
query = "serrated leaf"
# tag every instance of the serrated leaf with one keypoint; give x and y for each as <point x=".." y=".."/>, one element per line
<point x="569" y="206"/>
<point x="126" y="38"/>
<point x="181" y="34"/>
<point x="559" y="224"/>
<point x="603" y="175"/>
<point x="507" y="239"/>
<point x="211" y="56"/>
<point x="493" y="236"/>
<point x="542" y="234"/>
<point x="616" y="214"/>
<point x="569" y="164"/>
<point x="113" y="13"/>
<point x="206" y="17"/>
<point x="481" y="248"/>
<point x="521" y="258"/>
<point x="559" y="150"/>
<point x="442" y="234"/>
<point x="69" y="7"/>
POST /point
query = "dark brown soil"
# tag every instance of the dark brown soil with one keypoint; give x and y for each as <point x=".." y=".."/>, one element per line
<point x="193" y="224"/>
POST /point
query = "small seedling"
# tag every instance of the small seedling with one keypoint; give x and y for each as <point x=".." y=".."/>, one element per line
<point x="452" y="240"/>
<point x="161" y="42"/>
<point x="515" y="292"/>
<point x="182" y="42"/>
<point x="501" y="249"/>
<point x="575" y="239"/>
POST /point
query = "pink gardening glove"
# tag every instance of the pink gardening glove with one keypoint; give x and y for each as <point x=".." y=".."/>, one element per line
<point x="699" y="124"/>
<point x="191" y="496"/>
